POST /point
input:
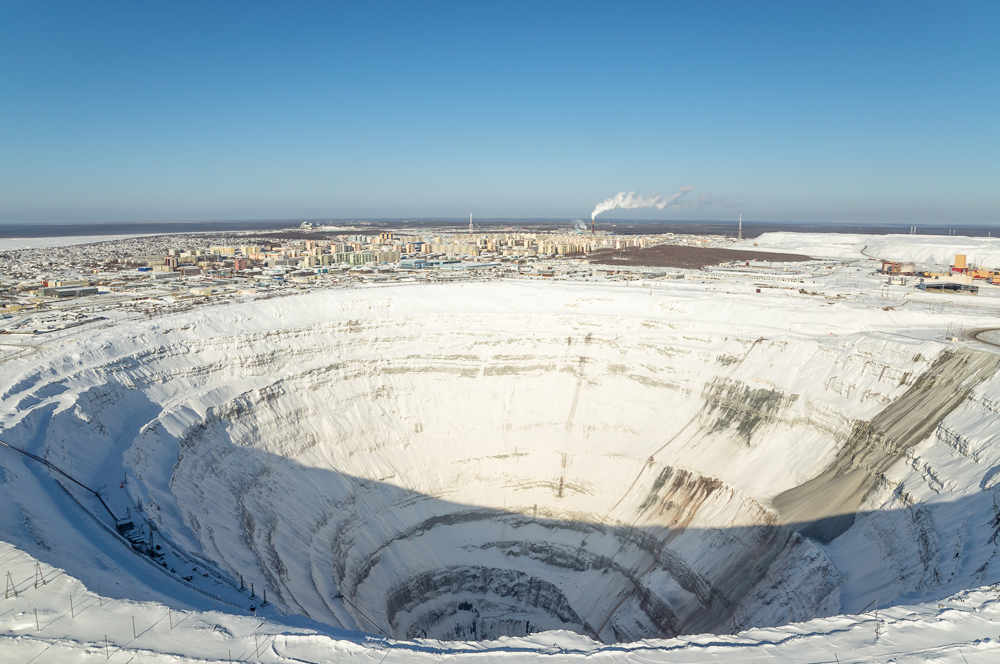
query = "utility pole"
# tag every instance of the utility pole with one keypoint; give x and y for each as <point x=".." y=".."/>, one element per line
<point x="10" y="586"/>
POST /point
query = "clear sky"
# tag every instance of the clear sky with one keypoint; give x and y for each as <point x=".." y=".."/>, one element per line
<point x="808" y="111"/>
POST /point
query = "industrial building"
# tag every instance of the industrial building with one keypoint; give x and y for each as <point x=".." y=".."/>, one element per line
<point x="963" y="267"/>
<point x="898" y="268"/>
<point x="949" y="287"/>
<point x="75" y="291"/>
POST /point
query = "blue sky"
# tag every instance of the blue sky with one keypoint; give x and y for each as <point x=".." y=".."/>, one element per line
<point x="807" y="111"/>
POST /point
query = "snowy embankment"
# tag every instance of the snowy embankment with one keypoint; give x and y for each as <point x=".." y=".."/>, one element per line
<point x="469" y="461"/>
<point x="16" y="243"/>
<point x="926" y="250"/>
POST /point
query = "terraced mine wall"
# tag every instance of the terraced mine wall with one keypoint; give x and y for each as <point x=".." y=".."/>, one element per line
<point x="825" y="506"/>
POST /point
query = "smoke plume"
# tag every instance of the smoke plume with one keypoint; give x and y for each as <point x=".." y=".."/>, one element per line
<point x="631" y="201"/>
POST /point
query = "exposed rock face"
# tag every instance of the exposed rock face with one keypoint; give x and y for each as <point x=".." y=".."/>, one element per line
<point x="827" y="504"/>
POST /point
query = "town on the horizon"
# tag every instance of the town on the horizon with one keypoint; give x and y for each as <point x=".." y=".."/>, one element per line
<point x="54" y="289"/>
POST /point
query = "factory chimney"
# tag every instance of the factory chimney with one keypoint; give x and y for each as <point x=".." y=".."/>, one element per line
<point x="741" y="227"/>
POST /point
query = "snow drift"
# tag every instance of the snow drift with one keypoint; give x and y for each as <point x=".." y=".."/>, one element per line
<point x="928" y="251"/>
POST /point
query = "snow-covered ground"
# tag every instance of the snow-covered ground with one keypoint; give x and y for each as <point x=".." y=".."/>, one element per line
<point x="13" y="243"/>
<point x="927" y="250"/>
<point x="56" y="619"/>
<point x="474" y="462"/>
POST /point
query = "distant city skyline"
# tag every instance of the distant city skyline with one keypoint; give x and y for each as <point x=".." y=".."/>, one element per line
<point x="837" y="112"/>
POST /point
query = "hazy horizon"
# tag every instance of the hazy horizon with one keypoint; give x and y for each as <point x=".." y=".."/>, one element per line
<point x="605" y="220"/>
<point x="620" y="226"/>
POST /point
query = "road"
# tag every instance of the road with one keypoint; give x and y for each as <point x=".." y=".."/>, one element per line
<point x="31" y="348"/>
<point x="977" y="335"/>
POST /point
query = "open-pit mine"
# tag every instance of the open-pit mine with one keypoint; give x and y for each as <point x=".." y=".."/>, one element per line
<point x="473" y="461"/>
